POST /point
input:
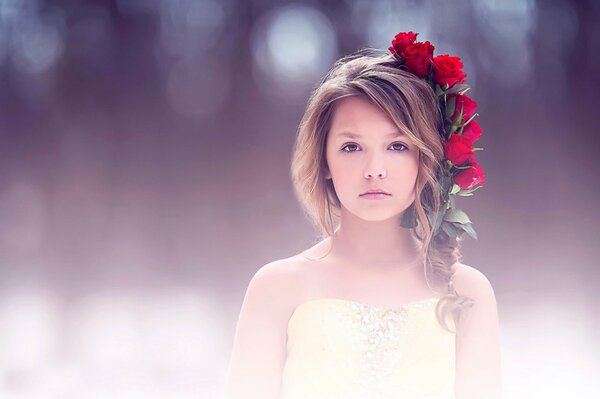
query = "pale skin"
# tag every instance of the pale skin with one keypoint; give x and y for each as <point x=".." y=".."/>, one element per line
<point x="372" y="260"/>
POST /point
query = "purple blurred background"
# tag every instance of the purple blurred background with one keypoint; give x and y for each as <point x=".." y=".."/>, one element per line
<point x="145" y="151"/>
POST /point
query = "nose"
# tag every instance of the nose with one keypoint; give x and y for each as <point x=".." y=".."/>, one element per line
<point x="375" y="166"/>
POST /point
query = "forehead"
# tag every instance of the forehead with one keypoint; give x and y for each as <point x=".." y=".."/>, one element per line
<point x="357" y="117"/>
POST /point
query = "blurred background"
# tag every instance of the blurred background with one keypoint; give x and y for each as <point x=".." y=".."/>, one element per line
<point x="144" y="178"/>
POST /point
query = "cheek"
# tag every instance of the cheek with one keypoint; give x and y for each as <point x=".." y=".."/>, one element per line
<point x="344" y="168"/>
<point x="342" y="175"/>
<point x="336" y="165"/>
<point x="406" y="177"/>
<point x="411" y="168"/>
<point x="412" y="174"/>
<point x="413" y="171"/>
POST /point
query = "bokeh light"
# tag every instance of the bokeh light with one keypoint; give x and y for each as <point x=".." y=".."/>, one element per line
<point x="291" y="46"/>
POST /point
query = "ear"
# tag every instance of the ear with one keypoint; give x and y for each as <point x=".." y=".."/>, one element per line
<point x="327" y="173"/>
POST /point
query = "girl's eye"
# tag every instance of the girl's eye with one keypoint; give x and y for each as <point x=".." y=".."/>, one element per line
<point x="352" y="145"/>
<point x="402" y="145"/>
<point x="348" y="145"/>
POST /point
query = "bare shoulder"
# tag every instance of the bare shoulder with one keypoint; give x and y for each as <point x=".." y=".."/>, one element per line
<point x="260" y="336"/>
<point x="478" y="359"/>
<point x="277" y="284"/>
<point x="471" y="282"/>
<point x="278" y="273"/>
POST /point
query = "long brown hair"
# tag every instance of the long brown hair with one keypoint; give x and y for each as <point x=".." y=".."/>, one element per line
<point x="413" y="107"/>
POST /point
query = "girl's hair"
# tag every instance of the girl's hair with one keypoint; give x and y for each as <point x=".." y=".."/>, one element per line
<point x="412" y="105"/>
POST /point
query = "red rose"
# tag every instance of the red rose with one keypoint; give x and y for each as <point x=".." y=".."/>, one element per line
<point x="448" y="69"/>
<point x="470" y="177"/>
<point x="401" y="41"/>
<point x="418" y="58"/>
<point x="472" y="131"/>
<point x="462" y="101"/>
<point x="459" y="150"/>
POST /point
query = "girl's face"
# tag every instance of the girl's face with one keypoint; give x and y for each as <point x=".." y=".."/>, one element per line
<point x="365" y="151"/>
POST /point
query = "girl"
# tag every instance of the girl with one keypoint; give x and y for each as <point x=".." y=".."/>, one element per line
<point x="381" y="307"/>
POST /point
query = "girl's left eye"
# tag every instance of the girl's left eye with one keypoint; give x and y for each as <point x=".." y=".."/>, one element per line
<point x="400" y="144"/>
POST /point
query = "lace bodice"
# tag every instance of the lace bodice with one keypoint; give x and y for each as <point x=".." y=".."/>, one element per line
<point x="338" y="348"/>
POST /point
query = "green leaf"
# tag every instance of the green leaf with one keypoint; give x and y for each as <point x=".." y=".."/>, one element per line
<point x="446" y="182"/>
<point x="438" y="90"/>
<point x="452" y="202"/>
<point x="471" y="118"/>
<point x="468" y="228"/>
<point x="450" y="230"/>
<point x="430" y="216"/>
<point x="455" y="189"/>
<point x="462" y="167"/>
<point x="457" y="216"/>
<point x="450" y="107"/>
<point x="458" y="88"/>
<point x="457" y="120"/>
<point x="468" y="192"/>
<point x="440" y="219"/>
<point x="409" y="217"/>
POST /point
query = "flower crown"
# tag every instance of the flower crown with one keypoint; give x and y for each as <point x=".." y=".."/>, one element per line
<point x="461" y="175"/>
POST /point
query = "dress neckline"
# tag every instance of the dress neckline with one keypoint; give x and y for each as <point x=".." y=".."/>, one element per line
<point x="362" y="304"/>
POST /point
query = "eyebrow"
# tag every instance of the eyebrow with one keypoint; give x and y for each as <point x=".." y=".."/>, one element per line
<point x="358" y="136"/>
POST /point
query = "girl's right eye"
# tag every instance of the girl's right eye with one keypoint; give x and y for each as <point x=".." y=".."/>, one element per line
<point x="347" y="145"/>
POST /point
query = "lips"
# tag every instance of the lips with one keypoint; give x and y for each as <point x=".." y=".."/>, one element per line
<point x="375" y="192"/>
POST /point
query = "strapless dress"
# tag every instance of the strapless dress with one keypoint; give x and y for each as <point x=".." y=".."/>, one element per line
<point x="340" y="349"/>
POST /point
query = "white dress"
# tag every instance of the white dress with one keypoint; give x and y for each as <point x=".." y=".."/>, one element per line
<point x="338" y="348"/>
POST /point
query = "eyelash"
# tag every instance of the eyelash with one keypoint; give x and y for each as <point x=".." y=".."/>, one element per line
<point x="347" y="144"/>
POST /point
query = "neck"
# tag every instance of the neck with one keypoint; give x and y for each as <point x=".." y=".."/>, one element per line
<point x="373" y="244"/>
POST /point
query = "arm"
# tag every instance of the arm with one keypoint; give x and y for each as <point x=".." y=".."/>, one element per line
<point x="259" y="346"/>
<point x="478" y="364"/>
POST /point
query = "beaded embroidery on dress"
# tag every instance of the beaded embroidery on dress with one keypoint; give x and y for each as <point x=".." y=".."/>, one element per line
<point x="338" y="349"/>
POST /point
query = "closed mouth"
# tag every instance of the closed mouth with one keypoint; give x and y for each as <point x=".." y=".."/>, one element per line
<point x="379" y="192"/>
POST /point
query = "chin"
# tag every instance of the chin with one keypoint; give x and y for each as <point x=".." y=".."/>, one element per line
<point x="371" y="218"/>
<point x="375" y="215"/>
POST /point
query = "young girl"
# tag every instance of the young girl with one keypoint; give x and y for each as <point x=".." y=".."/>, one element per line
<point x="381" y="307"/>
